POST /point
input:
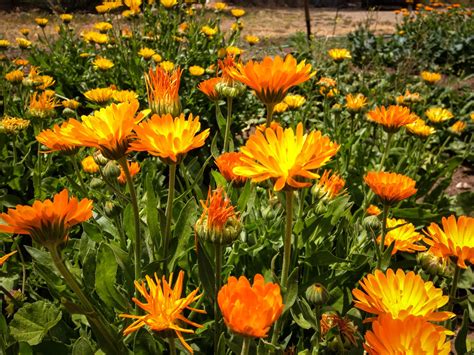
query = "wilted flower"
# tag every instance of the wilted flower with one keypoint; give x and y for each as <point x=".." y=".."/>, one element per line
<point x="355" y="103"/>
<point x="390" y="187"/>
<point x="133" y="168"/>
<point x="392" y="118"/>
<point x="89" y="165"/>
<point x="13" y="125"/>
<point x="162" y="88"/>
<point x="100" y="95"/>
<point x="403" y="234"/>
<point x="103" y="63"/>
<point x="345" y="327"/>
<point x="438" y="114"/>
<point x="249" y="310"/>
<point x="339" y="54"/>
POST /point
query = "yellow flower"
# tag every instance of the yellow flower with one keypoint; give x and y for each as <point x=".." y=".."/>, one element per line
<point x="156" y="58"/>
<point x="412" y="335"/>
<point x="146" y="53"/>
<point x="164" y="308"/>
<point x="167" y="66"/>
<point x="438" y="114"/>
<point x="294" y="101"/>
<point x="23" y="43"/>
<point x="24" y="31"/>
<point x="95" y="37"/>
<point x="233" y="51"/>
<point x="252" y="40"/>
<point x="237" y="12"/>
<point x="89" y="165"/>
<point x="455" y="239"/>
<point x="6" y="256"/>
<point x="237" y="26"/>
<point x="15" y="76"/>
<point x="209" y="31"/>
<point x="392" y="118"/>
<point x="102" y="63"/>
<point x="355" y="103"/>
<point x="284" y="156"/>
<point x="13" y="125"/>
<point x="220" y="6"/>
<point x="162" y="87"/>
<point x="125" y="96"/>
<point x="133" y="6"/>
<point x="339" y="54"/>
<point x="403" y="234"/>
<point x="45" y="81"/>
<point x="41" y="21"/>
<point x="168" y="3"/>
<point x="169" y="138"/>
<point x="4" y="43"/>
<point x="458" y="127"/>
<point x="42" y="105"/>
<point x="108" y="6"/>
<point x="280" y="107"/>
<point x="401" y="296"/>
<point x="420" y="128"/>
<point x="71" y="104"/>
<point x="21" y="62"/>
<point x="429" y="77"/>
<point x="196" y="70"/>
<point x="66" y="18"/>
<point x="99" y="95"/>
<point x="103" y="26"/>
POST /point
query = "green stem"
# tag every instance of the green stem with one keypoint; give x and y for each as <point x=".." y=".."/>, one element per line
<point x="15" y="155"/>
<point x="317" y="312"/>
<point x="37" y="180"/>
<point x="136" y="215"/>
<point x="79" y="175"/>
<point x="172" y="346"/>
<point x="218" y="276"/>
<point x="452" y="294"/>
<point x="286" y="257"/>
<point x="385" y="153"/>
<point x="105" y="334"/>
<point x="245" y="346"/>
<point x="384" y="233"/>
<point x="270" y="108"/>
<point x="23" y="269"/>
<point x="169" y="213"/>
<point x="228" y="123"/>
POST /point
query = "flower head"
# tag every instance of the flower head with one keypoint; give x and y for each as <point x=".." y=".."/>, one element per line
<point x="41" y="21"/>
<point x="412" y="335"/>
<point x="226" y="164"/>
<point x="133" y="168"/>
<point x="162" y="89"/>
<point x="373" y="210"/>
<point x="329" y="186"/>
<point x="95" y="37"/>
<point x="438" y="114"/>
<point x="13" y="125"/>
<point x="164" y="307"/>
<point x="103" y="26"/>
<point x="400" y="295"/>
<point x="404" y="235"/>
<point x="4" y="43"/>
<point x="252" y="40"/>
<point x="429" y="77"/>
<point x="169" y="138"/>
<point x="42" y="105"/>
<point x="196" y="70"/>
<point x="420" y="128"/>
<point x="390" y="187"/>
<point x="146" y="53"/>
<point x="344" y="325"/>
<point x="48" y="222"/>
<point x="23" y="43"/>
<point x="250" y="310"/>
<point x="219" y="6"/>
<point x="60" y="138"/>
<point x="355" y="103"/>
<point x="89" y="165"/>
<point x="339" y="54"/>
<point x="100" y="95"/>
<point x="66" y="18"/>
<point x="237" y="13"/>
<point x="458" y="127"/>
<point x="272" y="78"/>
<point x="208" y="87"/>
<point x="294" y="101"/>
<point x="280" y="107"/>
<point x="124" y="96"/>
<point x="455" y="239"/>
<point x="15" y="76"/>
<point x="392" y="118"/>
<point x="408" y="98"/>
<point x="102" y="63"/>
<point x="209" y="31"/>
<point x="285" y="155"/>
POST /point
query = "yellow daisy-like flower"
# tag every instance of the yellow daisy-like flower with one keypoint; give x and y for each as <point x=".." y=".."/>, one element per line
<point x="168" y="4"/>
<point x="99" y="95"/>
<point x="41" y="21"/>
<point x="4" y="43"/>
<point x="420" y="128"/>
<point x="233" y="51"/>
<point x="294" y="101"/>
<point x="15" y="76"/>
<point x="401" y="296"/>
<point x="103" y="26"/>
<point x="23" y="43"/>
<point x="355" y="103"/>
<point x="95" y="37"/>
<point x="272" y="78"/>
<point x="410" y="336"/>
<point x="392" y="118"/>
<point x="252" y="40"/>
<point x="455" y="239"/>
<point x="403" y="234"/>
<point x="339" y="54"/>
<point x="108" y="6"/>
<point x="237" y="13"/>
<point x="220" y="6"/>
<point x="146" y="53"/>
<point x="438" y="114"/>
<point x="169" y="138"/>
<point x="89" y="165"/>
<point x="124" y="96"/>
<point x="429" y="77"/>
<point x="164" y="307"/>
<point x="102" y="63"/>
<point x="196" y="70"/>
<point x="66" y="18"/>
<point x="280" y="107"/>
<point x="133" y="6"/>
<point x="13" y="125"/>
<point x="284" y="156"/>
<point x="156" y="58"/>
<point x="209" y="31"/>
<point x="458" y="127"/>
<point x="167" y="66"/>
<point x="390" y="187"/>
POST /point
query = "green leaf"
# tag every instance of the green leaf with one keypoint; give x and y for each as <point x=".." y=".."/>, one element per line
<point x="218" y="178"/>
<point x="183" y="230"/>
<point x="460" y="342"/>
<point x="105" y="274"/>
<point x="92" y="231"/>
<point x="324" y="257"/>
<point x="82" y="346"/>
<point x="206" y="271"/>
<point x="129" y="222"/>
<point x="33" y="321"/>
<point x="292" y="290"/>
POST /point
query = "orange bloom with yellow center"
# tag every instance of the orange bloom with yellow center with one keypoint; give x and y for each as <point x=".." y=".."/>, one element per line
<point x="373" y="210"/>
<point x="250" y="310"/>
<point x="60" y="138"/>
<point x="403" y="234"/>
<point x="6" y="256"/>
<point x="133" y="168"/>
<point x="285" y="155"/>
<point x="162" y="87"/>
<point x="226" y="163"/>
<point x="392" y="118"/>
<point x="458" y="127"/>
<point x="169" y="138"/>
<point x="108" y="129"/>
<point x="400" y="295"/>
<point x="208" y="87"/>
<point x="164" y="307"/>
<point x="410" y="336"/>
<point x="390" y="187"/>
<point x="329" y="185"/>
<point x="272" y="78"/>
<point x="48" y="222"/>
<point x="455" y="239"/>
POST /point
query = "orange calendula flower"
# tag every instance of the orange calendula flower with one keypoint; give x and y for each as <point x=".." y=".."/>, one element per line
<point x="169" y="138"/>
<point x="100" y="95"/>
<point x="404" y="235"/>
<point x="339" y="54"/>
<point x="208" y="87"/>
<point x="108" y="129"/>
<point x="13" y="125"/>
<point x="329" y="185"/>
<point x="455" y="239"/>
<point x="412" y="335"/>
<point x="162" y="87"/>
<point x="458" y="127"/>
<point x="89" y="165"/>
<point x="48" y="222"/>
<point x="392" y="118"/>
<point x="164" y="307"/>
<point x="438" y="114"/>
<point x="390" y="187"/>
<point x="218" y="223"/>
<point x="42" y="105"/>
<point x="272" y="78"/>
<point x="6" y="256"/>
<point x="250" y="310"/>
<point x="60" y="138"/>
<point x="355" y="103"/>
<point x="15" y="76"/>
<point x="134" y="169"/>
<point x="429" y="77"/>
<point x="373" y="210"/>
<point x="400" y="295"/>
<point x="226" y="163"/>
<point x="285" y="155"/>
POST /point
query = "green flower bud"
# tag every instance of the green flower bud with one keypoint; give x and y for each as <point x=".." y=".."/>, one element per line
<point x="96" y="183"/>
<point x="317" y="294"/>
<point x="112" y="209"/>
<point x="99" y="158"/>
<point x="112" y="170"/>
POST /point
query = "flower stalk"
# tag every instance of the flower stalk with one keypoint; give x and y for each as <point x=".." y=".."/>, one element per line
<point x="245" y="346"/>
<point x="384" y="233"/>
<point x="218" y="275"/>
<point x="169" y="212"/>
<point x="227" y="124"/>
<point x="452" y="294"/>
<point x="270" y="109"/>
<point x="385" y="153"/>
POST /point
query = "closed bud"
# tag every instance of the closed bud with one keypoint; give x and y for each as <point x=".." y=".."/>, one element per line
<point x="99" y="158"/>
<point x="229" y="91"/>
<point x="96" y="183"/>
<point x="112" y="209"/>
<point x="317" y="294"/>
<point x="434" y="265"/>
<point x="112" y="170"/>
<point x="68" y="112"/>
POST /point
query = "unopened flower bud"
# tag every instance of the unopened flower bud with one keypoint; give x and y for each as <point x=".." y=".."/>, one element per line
<point x="112" y="209"/>
<point x="96" y="183"/>
<point x="317" y="294"/>
<point x="100" y="159"/>
<point x="112" y="170"/>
